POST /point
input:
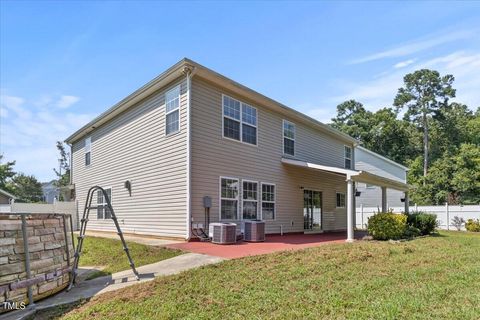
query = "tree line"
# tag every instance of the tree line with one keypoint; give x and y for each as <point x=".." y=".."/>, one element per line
<point x="27" y="188"/>
<point x="438" y="140"/>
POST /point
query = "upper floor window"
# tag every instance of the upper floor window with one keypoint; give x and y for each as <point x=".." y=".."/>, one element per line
<point x="88" y="151"/>
<point x="348" y="157"/>
<point x="288" y="138"/>
<point x="239" y="121"/>
<point x="172" y="111"/>
<point x="103" y="211"/>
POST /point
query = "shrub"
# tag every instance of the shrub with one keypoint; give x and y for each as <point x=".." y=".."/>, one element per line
<point x="411" y="232"/>
<point x="388" y="225"/>
<point x="473" y="225"/>
<point x="458" y="222"/>
<point x="425" y="222"/>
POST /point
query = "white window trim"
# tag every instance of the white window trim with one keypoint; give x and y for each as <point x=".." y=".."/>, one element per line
<point x="284" y="137"/>
<point x="258" y="200"/>
<point x="345" y="157"/>
<point x="111" y="201"/>
<point x="220" y="198"/>
<point x="336" y="202"/>
<point x="241" y="122"/>
<point x="89" y="151"/>
<point x="274" y="202"/>
<point x="171" y="111"/>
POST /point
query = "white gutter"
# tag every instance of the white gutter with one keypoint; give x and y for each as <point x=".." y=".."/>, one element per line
<point x="188" y="71"/>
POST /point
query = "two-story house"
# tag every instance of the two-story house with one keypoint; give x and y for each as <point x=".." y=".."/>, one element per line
<point x="191" y="133"/>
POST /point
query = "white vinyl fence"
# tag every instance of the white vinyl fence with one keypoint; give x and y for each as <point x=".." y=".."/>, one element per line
<point x="56" y="207"/>
<point x="444" y="214"/>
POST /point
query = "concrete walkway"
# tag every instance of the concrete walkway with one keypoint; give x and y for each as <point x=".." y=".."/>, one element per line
<point x="149" y="241"/>
<point x="90" y="288"/>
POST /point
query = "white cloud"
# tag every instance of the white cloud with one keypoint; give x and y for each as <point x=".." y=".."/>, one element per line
<point x="324" y="115"/>
<point x="381" y="91"/>
<point x="403" y="64"/>
<point x="66" y="101"/>
<point x="418" y="45"/>
<point x="30" y="140"/>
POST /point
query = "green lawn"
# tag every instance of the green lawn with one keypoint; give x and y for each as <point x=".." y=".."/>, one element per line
<point x="435" y="277"/>
<point x="109" y="253"/>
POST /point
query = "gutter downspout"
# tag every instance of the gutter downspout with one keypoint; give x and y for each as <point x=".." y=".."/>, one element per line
<point x="187" y="70"/>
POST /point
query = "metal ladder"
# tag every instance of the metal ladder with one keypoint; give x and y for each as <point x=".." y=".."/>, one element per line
<point x="83" y="228"/>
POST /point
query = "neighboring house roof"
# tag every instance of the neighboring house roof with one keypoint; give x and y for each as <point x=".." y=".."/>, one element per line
<point x="9" y="195"/>
<point x="382" y="157"/>
<point x="198" y="70"/>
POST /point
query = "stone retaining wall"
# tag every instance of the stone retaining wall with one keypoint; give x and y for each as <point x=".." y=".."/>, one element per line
<point x="49" y="262"/>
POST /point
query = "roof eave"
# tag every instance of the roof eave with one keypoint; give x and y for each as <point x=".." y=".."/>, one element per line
<point x="166" y="77"/>
<point x="175" y="71"/>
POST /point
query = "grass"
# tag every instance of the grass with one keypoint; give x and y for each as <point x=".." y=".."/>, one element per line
<point x="109" y="254"/>
<point x="434" y="277"/>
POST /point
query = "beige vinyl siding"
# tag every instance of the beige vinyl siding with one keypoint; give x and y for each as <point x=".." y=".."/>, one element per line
<point x="4" y="199"/>
<point x="214" y="156"/>
<point x="133" y="147"/>
<point x="369" y="162"/>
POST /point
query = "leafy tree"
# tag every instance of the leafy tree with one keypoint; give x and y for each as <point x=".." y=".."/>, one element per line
<point x="450" y="128"/>
<point x="63" y="173"/>
<point x="466" y="181"/>
<point x="6" y="173"/>
<point x="26" y="187"/>
<point x="473" y="129"/>
<point x="453" y="178"/>
<point x="424" y="92"/>
<point x="353" y="119"/>
<point x="379" y="131"/>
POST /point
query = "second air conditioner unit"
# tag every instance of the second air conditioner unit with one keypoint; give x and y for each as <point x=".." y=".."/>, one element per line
<point x="254" y="231"/>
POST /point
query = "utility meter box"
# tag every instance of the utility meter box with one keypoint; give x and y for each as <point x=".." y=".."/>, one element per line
<point x="207" y="202"/>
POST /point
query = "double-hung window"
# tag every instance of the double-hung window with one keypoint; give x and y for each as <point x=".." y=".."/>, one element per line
<point x="348" y="157"/>
<point x="288" y="138"/>
<point x="103" y="212"/>
<point x="172" y="111"/>
<point x="340" y="200"/>
<point x="229" y="191"/>
<point x="239" y="121"/>
<point x="250" y="200"/>
<point x="88" y="151"/>
<point x="268" y="201"/>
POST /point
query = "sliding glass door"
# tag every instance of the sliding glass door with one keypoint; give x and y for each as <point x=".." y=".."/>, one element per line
<point x="312" y="210"/>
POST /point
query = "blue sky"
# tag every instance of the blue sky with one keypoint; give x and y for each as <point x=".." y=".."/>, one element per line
<point x="62" y="63"/>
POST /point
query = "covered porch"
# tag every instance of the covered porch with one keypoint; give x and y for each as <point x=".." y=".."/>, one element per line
<point x="351" y="177"/>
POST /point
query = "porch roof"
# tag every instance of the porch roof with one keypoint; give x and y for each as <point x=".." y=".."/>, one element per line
<point x="355" y="175"/>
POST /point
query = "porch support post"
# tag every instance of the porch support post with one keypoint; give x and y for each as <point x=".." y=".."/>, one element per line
<point x="384" y="199"/>
<point x="350" y="210"/>
<point x="407" y="206"/>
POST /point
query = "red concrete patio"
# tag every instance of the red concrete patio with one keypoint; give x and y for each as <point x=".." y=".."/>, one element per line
<point x="273" y="243"/>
